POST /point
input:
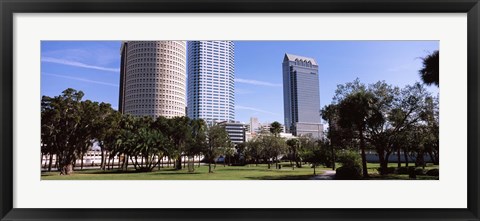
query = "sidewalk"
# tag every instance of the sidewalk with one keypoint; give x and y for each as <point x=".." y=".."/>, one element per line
<point x="328" y="175"/>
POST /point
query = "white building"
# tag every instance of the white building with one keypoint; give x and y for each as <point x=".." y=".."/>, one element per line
<point x="153" y="78"/>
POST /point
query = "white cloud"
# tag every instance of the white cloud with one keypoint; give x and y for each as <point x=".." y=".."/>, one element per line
<point x="78" y="64"/>
<point x="255" y="82"/>
<point x="81" y="79"/>
<point x="240" y="107"/>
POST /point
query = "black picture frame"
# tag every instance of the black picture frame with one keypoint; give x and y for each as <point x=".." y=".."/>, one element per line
<point x="9" y="7"/>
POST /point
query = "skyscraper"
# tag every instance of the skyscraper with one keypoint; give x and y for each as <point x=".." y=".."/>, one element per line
<point x="301" y="96"/>
<point x="153" y="78"/>
<point x="211" y="81"/>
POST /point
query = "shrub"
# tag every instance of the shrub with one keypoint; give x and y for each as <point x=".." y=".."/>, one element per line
<point x="349" y="159"/>
<point x="411" y="173"/>
<point x="401" y="170"/>
<point x="348" y="173"/>
<point x="351" y="168"/>
<point x="419" y="171"/>
<point x="390" y="170"/>
<point x="432" y="172"/>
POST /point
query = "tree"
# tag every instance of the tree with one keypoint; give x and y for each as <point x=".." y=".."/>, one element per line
<point x="354" y="111"/>
<point x="63" y="122"/>
<point x="276" y="128"/>
<point x="253" y="151"/>
<point x="316" y="154"/>
<point x="430" y="70"/>
<point x="271" y="148"/>
<point x="180" y="134"/>
<point x="294" y="146"/>
<point x="217" y="138"/>
<point x="197" y="143"/>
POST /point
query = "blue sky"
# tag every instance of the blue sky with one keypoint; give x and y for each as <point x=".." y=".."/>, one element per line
<point x="93" y="67"/>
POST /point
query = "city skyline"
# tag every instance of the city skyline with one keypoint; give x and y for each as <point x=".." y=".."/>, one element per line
<point x="258" y="91"/>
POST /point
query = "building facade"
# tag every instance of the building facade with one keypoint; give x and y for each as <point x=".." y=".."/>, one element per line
<point x="254" y="125"/>
<point x="153" y="78"/>
<point x="211" y="87"/>
<point x="236" y="131"/>
<point x="301" y="96"/>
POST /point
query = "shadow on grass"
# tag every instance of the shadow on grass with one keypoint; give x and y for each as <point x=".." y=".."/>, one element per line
<point x="400" y="177"/>
<point x="242" y="169"/>
<point x="288" y="177"/>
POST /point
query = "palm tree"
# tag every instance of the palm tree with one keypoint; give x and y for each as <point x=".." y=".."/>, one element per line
<point x="276" y="128"/>
<point x="430" y="71"/>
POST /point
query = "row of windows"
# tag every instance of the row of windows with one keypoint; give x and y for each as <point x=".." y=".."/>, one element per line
<point x="159" y="107"/>
<point x="166" y="113"/>
<point x="171" y="55"/>
<point x="172" y="75"/>
<point x="150" y="93"/>
<point x="156" y="81"/>
<point x="169" y="66"/>
<point x="137" y="44"/>
<point x="179" y="97"/>
<point x="163" y="87"/>
<point x="154" y="62"/>
<point x="159" y="101"/>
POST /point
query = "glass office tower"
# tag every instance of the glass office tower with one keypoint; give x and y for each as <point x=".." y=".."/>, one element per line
<point x="301" y="96"/>
<point x="211" y="86"/>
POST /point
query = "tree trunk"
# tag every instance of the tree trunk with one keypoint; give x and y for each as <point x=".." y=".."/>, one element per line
<point x="102" y="163"/>
<point x="67" y="169"/>
<point x="50" y="161"/>
<point x="179" y="163"/>
<point x="434" y="161"/>
<point x="405" y="155"/>
<point x="399" y="158"/>
<point x="209" y="167"/>
<point x="81" y="163"/>
<point x="314" y="172"/>
<point x="333" y="158"/>
<point x="364" y="157"/>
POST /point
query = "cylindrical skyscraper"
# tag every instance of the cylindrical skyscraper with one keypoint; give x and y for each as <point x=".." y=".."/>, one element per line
<point x="153" y="78"/>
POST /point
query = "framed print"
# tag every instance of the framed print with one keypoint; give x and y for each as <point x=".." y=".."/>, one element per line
<point x="239" y="110"/>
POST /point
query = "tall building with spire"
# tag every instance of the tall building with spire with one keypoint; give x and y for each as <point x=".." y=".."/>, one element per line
<point x="301" y="96"/>
<point x="211" y="86"/>
<point x="153" y="78"/>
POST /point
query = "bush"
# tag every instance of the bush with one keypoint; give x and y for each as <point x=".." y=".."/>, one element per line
<point x="411" y="173"/>
<point x="348" y="173"/>
<point x="401" y="170"/>
<point x="390" y="170"/>
<point x="351" y="168"/>
<point x="433" y="172"/>
<point x="349" y="159"/>
<point x="419" y="171"/>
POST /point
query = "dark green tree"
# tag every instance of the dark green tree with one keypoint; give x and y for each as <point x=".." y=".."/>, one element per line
<point x="431" y="68"/>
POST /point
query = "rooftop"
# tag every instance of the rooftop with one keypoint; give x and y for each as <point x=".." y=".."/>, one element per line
<point x="292" y="57"/>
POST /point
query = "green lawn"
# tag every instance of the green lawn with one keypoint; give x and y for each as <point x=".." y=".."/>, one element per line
<point x="250" y="172"/>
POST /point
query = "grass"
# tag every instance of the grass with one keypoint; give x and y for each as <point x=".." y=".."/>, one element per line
<point x="249" y="172"/>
